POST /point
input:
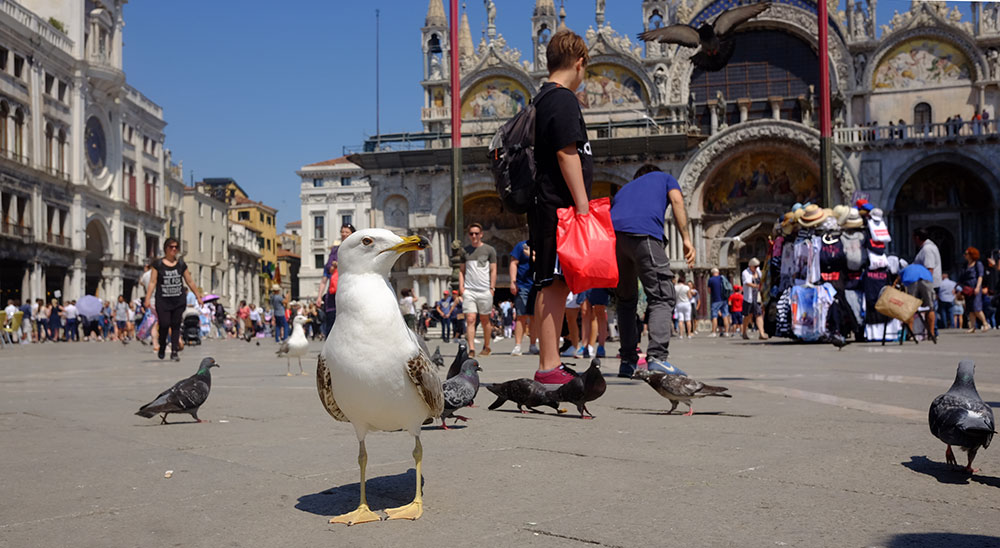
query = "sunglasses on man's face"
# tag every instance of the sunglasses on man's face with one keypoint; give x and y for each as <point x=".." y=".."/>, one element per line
<point x="173" y="247"/>
<point x="475" y="233"/>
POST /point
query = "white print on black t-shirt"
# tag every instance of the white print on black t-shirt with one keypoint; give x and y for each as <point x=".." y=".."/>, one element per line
<point x="171" y="285"/>
<point x="585" y="149"/>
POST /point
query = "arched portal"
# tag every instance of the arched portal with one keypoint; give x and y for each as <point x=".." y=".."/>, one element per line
<point x="953" y="203"/>
<point x="97" y="247"/>
<point x="501" y="229"/>
<point x="761" y="174"/>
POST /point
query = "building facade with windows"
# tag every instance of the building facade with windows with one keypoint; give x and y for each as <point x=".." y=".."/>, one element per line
<point x="205" y="243"/>
<point x="333" y="193"/>
<point x="742" y="141"/>
<point x="81" y="154"/>
<point x="244" y="265"/>
<point x="261" y="219"/>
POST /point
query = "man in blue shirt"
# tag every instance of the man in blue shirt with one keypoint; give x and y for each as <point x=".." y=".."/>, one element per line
<point x="719" y="302"/>
<point x="520" y="287"/>
<point x="637" y="213"/>
<point x="443" y="310"/>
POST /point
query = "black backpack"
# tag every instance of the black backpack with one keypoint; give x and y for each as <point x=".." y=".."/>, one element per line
<point x="512" y="157"/>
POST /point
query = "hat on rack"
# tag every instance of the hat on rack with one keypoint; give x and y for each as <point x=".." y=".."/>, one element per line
<point x="797" y="206"/>
<point x="788" y="223"/>
<point x="798" y="213"/>
<point x="812" y="215"/>
<point x="829" y="224"/>
<point x="853" y="219"/>
<point x="841" y="212"/>
<point x="863" y="206"/>
<point x="876" y="215"/>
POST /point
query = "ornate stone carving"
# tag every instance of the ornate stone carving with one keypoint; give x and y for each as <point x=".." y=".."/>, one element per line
<point x="941" y="30"/>
<point x="727" y="143"/>
<point x="871" y="175"/>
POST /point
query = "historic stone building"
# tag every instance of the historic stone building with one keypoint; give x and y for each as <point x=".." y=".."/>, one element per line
<point x="205" y="242"/>
<point x="81" y="154"/>
<point x="742" y="141"/>
<point x="333" y="193"/>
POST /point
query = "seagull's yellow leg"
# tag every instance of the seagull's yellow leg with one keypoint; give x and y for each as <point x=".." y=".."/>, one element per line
<point x="416" y="508"/>
<point x="362" y="514"/>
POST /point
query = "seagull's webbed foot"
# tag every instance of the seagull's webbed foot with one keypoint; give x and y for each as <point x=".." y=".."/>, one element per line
<point x="949" y="456"/>
<point x="361" y="515"/>
<point x="411" y="511"/>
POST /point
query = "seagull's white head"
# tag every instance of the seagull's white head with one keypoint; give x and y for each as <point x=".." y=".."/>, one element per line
<point x="300" y="320"/>
<point x="375" y="250"/>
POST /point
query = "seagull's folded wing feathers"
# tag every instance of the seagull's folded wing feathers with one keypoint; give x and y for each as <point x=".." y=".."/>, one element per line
<point x="674" y="34"/>
<point x="732" y="18"/>
<point x="423" y="374"/>
<point x="323" y="385"/>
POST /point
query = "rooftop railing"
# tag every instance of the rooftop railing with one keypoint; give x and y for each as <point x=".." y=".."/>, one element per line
<point x="916" y="133"/>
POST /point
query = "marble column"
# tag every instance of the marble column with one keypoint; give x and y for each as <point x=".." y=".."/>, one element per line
<point x="775" y="107"/>
<point x="713" y="117"/>
<point x="744" y="107"/>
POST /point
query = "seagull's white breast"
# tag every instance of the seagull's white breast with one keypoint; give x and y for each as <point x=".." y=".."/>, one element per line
<point x="298" y="344"/>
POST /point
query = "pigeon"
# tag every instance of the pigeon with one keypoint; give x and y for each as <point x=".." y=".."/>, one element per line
<point x="960" y="417"/>
<point x="583" y="388"/>
<point x="373" y="372"/>
<point x="436" y="358"/>
<point x="460" y="391"/>
<point x="715" y="39"/>
<point x="456" y="366"/>
<point x="524" y="392"/>
<point x="184" y="397"/>
<point x="679" y="388"/>
<point x="296" y="346"/>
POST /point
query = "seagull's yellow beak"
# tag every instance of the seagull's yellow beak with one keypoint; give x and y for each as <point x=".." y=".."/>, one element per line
<point x="410" y="243"/>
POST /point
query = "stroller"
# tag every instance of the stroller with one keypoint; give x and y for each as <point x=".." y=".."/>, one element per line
<point x="191" y="326"/>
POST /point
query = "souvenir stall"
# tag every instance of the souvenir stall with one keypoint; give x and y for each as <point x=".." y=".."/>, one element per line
<point x="825" y="271"/>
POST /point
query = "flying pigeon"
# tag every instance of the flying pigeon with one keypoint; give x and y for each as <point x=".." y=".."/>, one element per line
<point x="436" y="357"/>
<point x="296" y="346"/>
<point x="960" y="417"/>
<point x="460" y="391"/>
<point x="679" y="388"/>
<point x="373" y="371"/>
<point x="184" y="397"/>
<point x="524" y="392"/>
<point x="715" y="39"/>
<point x="583" y="388"/>
<point x="456" y="366"/>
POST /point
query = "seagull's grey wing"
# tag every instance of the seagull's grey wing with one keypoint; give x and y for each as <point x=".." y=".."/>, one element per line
<point x="326" y="392"/>
<point x="423" y="374"/>
<point x="674" y="34"/>
<point x="731" y="19"/>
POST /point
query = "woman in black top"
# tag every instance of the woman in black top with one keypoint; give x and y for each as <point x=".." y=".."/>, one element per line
<point x="166" y="281"/>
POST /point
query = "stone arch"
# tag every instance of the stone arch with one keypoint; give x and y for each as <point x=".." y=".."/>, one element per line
<point x="954" y="37"/>
<point x="503" y="95"/>
<point x="98" y="246"/>
<point x="975" y="162"/>
<point x="729" y="143"/>
<point x="500" y="71"/>
<point x="601" y="66"/>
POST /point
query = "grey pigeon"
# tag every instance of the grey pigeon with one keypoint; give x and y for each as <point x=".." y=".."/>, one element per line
<point x="960" y="417"/>
<point x="524" y="392"/>
<point x="436" y="358"/>
<point x="460" y="357"/>
<point x="460" y="391"/>
<point x="184" y="397"/>
<point x="679" y="388"/>
<point x="583" y="388"/>
<point x="715" y="38"/>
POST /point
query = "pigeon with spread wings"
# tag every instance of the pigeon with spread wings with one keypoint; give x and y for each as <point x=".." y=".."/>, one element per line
<point x="715" y="38"/>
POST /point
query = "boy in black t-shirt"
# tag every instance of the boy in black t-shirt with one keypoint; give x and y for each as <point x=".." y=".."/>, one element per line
<point x="565" y="169"/>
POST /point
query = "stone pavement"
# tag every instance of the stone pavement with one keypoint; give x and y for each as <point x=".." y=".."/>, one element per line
<point x="816" y="448"/>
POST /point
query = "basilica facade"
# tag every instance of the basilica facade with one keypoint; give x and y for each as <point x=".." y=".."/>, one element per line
<point x="743" y="142"/>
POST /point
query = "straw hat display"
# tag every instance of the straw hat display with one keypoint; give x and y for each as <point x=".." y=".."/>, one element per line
<point x="812" y="215"/>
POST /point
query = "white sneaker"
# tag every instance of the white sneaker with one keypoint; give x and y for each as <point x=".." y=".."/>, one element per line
<point x="713" y="334"/>
<point x="516" y="351"/>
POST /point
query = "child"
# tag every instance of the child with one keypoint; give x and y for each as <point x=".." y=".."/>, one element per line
<point x="736" y="308"/>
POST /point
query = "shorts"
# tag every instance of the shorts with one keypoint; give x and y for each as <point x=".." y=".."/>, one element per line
<point x="121" y="325"/>
<point x="737" y="317"/>
<point x="751" y="309"/>
<point x="542" y="223"/>
<point x="521" y="302"/>
<point x="720" y="306"/>
<point x="683" y="311"/>
<point x="922" y="290"/>
<point x="596" y="297"/>
<point x="477" y="303"/>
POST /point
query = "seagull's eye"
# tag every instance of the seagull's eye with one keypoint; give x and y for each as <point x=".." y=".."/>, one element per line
<point x="367" y="241"/>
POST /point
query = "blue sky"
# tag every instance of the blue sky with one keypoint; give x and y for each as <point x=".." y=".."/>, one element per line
<point x="254" y="90"/>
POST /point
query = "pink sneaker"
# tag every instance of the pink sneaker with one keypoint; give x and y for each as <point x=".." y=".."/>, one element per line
<point x="555" y="376"/>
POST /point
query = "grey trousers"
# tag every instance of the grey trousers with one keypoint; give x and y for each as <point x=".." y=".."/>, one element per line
<point x="643" y="259"/>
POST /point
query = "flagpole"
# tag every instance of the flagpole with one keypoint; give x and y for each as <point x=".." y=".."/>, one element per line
<point x="825" y="131"/>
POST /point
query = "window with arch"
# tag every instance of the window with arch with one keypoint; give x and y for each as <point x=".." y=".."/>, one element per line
<point x="655" y="20"/>
<point x="19" y="134"/>
<point x="4" y="114"/>
<point x="62" y="152"/>
<point x="922" y="114"/>
<point x="435" y="58"/>
<point x="50" y="136"/>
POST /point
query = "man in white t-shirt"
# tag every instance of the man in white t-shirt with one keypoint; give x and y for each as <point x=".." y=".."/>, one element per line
<point x="751" y="299"/>
<point x="71" y="314"/>
<point x="477" y="281"/>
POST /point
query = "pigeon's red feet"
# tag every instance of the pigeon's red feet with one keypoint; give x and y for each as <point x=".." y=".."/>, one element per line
<point x="471" y="406"/>
<point x="523" y="412"/>
<point x="690" y="412"/>
<point x="460" y="418"/>
<point x="444" y="426"/>
<point x="586" y="417"/>
<point x="949" y="457"/>
<point x="970" y="470"/>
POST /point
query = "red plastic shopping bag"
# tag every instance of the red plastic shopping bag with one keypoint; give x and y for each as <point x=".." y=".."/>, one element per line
<point x="586" y="247"/>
